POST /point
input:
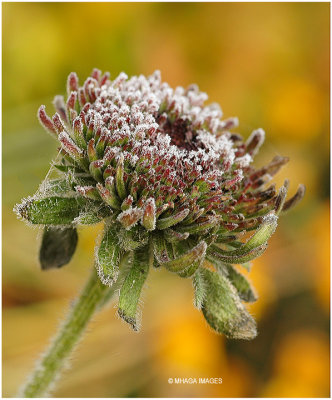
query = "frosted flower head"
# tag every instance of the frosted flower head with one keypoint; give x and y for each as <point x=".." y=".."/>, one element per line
<point x="174" y="186"/>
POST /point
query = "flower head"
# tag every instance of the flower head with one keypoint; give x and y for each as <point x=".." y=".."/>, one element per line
<point x="174" y="186"/>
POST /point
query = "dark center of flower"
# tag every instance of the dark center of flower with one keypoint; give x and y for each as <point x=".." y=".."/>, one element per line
<point x="182" y="136"/>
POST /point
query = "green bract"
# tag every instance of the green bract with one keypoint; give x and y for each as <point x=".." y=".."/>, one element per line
<point x="172" y="184"/>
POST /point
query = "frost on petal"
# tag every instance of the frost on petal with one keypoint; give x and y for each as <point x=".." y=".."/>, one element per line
<point x="162" y="156"/>
<point x="46" y="121"/>
<point x="130" y="217"/>
<point x="72" y="82"/>
<point x="69" y="146"/>
<point x="255" y="141"/>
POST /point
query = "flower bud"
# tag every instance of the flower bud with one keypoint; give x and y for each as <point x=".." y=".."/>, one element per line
<point x="130" y="217"/>
<point x="172" y="184"/>
<point x="72" y="83"/>
<point x="149" y="216"/>
<point x="46" y="121"/>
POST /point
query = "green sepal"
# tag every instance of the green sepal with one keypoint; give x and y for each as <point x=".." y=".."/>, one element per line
<point x="193" y="216"/>
<point x="149" y="216"/>
<point x="96" y="170"/>
<point x="215" y="253"/>
<point x="57" y="247"/>
<point x="127" y="203"/>
<point x="52" y="210"/>
<point x="160" y="249"/>
<point x="89" y="192"/>
<point x="261" y="213"/>
<point x="91" y="151"/>
<point x="203" y="185"/>
<point x="184" y="261"/>
<point x="132" y="287"/>
<point x="225" y="239"/>
<point x="253" y="248"/>
<point x="200" y="227"/>
<point x="100" y="146"/>
<point x="173" y="236"/>
<point x="210" y="239"/>
<point x="108" y="257"/>
<point x="108" y="194"/>
<point x="261" y="236"/>
<point x="239" y="281"/>
<point x="234" y="245"/>
<point x="223" y="309"/>
<point x="181" y="248"/>
<point x="120" y="185"/>
<point x="188" y="272"/>
<point x="78" y="135"/>
<point x="174" y="219"/>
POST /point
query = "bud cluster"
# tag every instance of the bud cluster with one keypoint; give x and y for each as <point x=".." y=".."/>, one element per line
<point x="174" y="186"/>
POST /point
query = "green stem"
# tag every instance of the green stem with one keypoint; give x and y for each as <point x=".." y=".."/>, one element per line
<point x="55" y="358"/>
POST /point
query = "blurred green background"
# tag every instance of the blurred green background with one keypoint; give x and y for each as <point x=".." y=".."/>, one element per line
<point x="268" y="64"/>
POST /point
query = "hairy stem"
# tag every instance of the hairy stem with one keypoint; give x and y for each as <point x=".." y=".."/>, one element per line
<point x="70" y="332"/>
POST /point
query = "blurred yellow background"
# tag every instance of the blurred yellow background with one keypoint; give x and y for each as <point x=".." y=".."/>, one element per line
<point x="268" y="64"/>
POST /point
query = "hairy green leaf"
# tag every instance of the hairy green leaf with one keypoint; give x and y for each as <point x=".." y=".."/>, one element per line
<point x="52" y="210"/>
<point x="184" y="261"/>
<point x="108" y="257"/>
<point x="188" y="272"/>
<point x="132" y="287"/>
<point x="57" y="247"/>
<point x="239" y="281"/>
<point x="223" y="309"/>
<point x="200" y="288"/>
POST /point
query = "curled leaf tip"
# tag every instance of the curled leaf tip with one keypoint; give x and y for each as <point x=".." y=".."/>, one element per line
<point x="298" y="196"/>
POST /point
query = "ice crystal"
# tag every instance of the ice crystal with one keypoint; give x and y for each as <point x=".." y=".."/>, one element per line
<point x="173" y="184"/>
